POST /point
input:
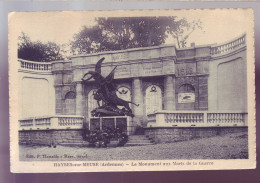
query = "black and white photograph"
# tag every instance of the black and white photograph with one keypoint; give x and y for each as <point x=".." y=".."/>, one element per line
<point x="136" y="90"/>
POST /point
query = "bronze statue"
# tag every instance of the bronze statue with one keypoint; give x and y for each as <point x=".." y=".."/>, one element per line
<point x="106" y="93"/>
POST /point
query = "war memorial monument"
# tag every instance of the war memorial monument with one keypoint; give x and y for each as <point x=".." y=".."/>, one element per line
<point x="153" y="95"/>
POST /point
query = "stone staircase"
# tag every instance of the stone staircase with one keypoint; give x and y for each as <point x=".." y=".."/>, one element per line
<point x="75" y="141"/>
<point x="139" y="139"/>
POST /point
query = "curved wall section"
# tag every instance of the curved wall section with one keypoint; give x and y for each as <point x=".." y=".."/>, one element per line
<point x="227" y="82"/>
<point x="232" y="85"/>
<point x="36" y="93"/>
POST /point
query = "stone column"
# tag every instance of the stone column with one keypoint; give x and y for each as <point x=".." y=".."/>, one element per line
<point x="169" y="93"/>
<point x="58" y="99"/>
<point x="79" y="99"/>
<point x="137" y="98"/>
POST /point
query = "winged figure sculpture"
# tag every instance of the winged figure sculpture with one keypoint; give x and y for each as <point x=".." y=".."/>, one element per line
<point x="106" y="92"/>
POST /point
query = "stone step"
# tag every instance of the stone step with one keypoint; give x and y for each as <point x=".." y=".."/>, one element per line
<point x="137" y="144"/>
<point x="74" y="144"/>
<point x="143" y="138"/>
<point x="139" y="141"/>
<point x="137" y="137"/>
<point x="75" y="140"/>
<point x="139" y="133"/>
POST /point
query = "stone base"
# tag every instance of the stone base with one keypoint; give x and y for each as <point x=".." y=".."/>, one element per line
<point x="52" y="137"/>
<point x="125" y="123"/>
<point x="175" y="134"/>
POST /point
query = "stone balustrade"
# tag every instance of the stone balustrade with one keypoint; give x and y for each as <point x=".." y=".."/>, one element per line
<point x="158" y="59"/>
<point x="52" y="122"/>
<point x="226" y="118"/>
<point x="27" y="123"/>
<point x="196" y="119"/>
<point x="151" y="118"/>
<point x="229" y="46"/>
<point x="36" y="66"/>
<point x="184" y="118"/>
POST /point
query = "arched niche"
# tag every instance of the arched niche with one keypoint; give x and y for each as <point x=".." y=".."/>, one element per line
<point x="153" y="99"/>
<point x="70" y="103"/>
<point x="186" y="97"/>
<point x="124" y="93"/>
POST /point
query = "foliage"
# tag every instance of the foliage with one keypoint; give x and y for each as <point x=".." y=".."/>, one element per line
<point x="184" y="30"/>
<point x="100" y="138"/>
<point x="132" y="32"/>
<point x="38" y="51"/>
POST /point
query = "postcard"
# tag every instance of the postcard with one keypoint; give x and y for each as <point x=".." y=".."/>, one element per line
<point x="135" y="90"/>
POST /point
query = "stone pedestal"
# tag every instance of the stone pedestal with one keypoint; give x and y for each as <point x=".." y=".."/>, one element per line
<point x="79" y="99"/>
<point x="169" y="94"/>
<point x="137" y="98"/>
<point x="112" y="122"/>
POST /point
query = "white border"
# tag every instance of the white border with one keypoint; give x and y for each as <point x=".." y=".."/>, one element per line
<point x="17" y="166"/>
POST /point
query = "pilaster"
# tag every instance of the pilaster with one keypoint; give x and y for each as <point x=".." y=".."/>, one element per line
<point x="169" y="93"/>
<point x="79" y="99"/>
<point x="137" y="99"/>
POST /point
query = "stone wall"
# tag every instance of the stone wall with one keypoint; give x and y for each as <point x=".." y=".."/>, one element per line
<point x="191" y="71"/>
<point x="175" y="134"/>
<point x="213" y="77"/>
<point x="158" y="135"/>
<point x="232" y="85"/>
<point x="227" y="81"/>
<point x="203" y="93"/>
<point x="36" y="93"/>
<point x="51" y="137"/>
<point x="63" y="83"/>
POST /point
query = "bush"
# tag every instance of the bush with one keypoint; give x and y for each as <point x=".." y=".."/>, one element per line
<point x="100" y="138"/>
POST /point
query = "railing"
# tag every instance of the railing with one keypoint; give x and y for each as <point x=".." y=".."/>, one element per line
<point x="196" y="119"/>
<point x="26" y="123"/>
<point x="151" y="118"/>
<point x="184" y="118"/>
<point x="51" y="122"/>
<point x="70" y="121"/>
<point x="226" y="118"/>
<point x="228" y="47"/>
<point x="30" y="65"/>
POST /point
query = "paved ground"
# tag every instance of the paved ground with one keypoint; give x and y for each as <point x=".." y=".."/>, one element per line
<point x="231" y="146"/>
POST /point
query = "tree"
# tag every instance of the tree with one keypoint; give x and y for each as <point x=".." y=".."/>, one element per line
<point x="131" y="32"/>
<point x="182" y="32"/>
<point x="37" y="51"/>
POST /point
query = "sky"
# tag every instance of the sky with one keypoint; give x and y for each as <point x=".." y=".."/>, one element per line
<point x="218" y="25"/>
